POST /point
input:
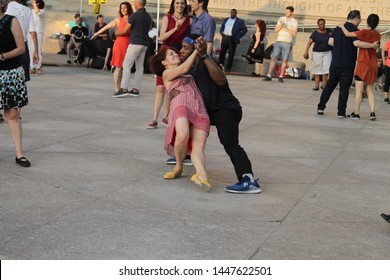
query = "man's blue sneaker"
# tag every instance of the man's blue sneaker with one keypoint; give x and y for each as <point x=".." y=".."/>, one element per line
<point x="244" y="186"/>
<point x="187" y="161"/>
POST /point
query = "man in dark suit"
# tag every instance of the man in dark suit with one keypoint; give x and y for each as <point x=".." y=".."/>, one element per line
<point x="232" y="30"/>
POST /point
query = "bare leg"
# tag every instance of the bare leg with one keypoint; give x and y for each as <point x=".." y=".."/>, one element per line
<point x="359" y="85"/>
<point x="15" y="129"/>
<point x="197" y="155"/>
<point x="271" y="66"/>
<point x="371" y="97"/>
<point x="317" y="81"/>
<point x="257" y="68"/>
<point x="283" y="68"/>
<point x="117" y="78"/>
<point x="180" y="149"/>
<point x="158" y="101"/>
<point x="106" y="59"/>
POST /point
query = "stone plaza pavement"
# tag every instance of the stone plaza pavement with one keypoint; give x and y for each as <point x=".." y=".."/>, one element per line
<point x="95" y="188"/>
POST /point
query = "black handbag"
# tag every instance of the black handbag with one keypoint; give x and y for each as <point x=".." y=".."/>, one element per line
<point x="98" y="62"/>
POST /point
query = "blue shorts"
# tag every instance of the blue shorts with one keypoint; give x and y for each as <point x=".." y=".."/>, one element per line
<point x="281" y="50"/>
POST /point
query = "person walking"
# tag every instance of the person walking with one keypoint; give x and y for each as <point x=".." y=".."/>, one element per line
<point x="175" y="26"/>
<point x="341" y="70"/>
<point x="321" y="55"/>
<point x="367" y="66"/>
<point x="39" y="17"/>
<point x="25" y="18"/>
<point x="13" y="91"/>
<point x="287" y="28"/>
<point x="140" y="22"/>
<point x="232" y="30"/>
<point x="121" y="42"/>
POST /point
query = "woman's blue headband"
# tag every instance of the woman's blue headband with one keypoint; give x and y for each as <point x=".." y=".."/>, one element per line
<point x="189" y="41"/>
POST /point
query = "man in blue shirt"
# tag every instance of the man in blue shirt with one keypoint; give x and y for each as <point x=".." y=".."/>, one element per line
<point x="202" y="23"/>
<point x="232" y="30"/>
<point x="342" y="67"/>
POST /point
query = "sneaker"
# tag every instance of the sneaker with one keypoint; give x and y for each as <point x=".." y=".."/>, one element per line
<point x="164" y="122"/>
<point x="372" y="116"/>
<point x="267" y="79"/>
<point x="280" y="79"/>
<point x="152" y="125"/>
<point x="386" y="100"/>
<point x="244" y="186"/>
<point x="133" y="93"/>
<point x="320" y="112"/>
<point x="187" y="161"/>
<point x="121" y="93"/>
<point x="354" y="116"/>
<point x="171" y="161"/>
<point x="341" y="116"/>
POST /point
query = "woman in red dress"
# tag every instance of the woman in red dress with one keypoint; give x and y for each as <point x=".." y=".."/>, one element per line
<point x="121" y="42"/>
<point x="174" y="27"/>
<point x="188" y="124"/>
<point x="367" y="66"/>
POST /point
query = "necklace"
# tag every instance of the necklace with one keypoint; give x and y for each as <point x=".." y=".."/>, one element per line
<point x="177" y="17"/>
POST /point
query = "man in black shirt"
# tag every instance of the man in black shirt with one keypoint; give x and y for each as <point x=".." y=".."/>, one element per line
<point x="224" y="110"/>
<point x="77" y="33"/>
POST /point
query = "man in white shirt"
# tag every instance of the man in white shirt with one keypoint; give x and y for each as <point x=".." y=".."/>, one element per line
<point x="287" y="28"/>
<point x="25" y="18"/>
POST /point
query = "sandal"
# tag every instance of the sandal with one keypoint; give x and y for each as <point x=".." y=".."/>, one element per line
<point x="39" y="71"/>
<point x="204" y="184"/>
<point x="173" y="174"/>
<point x="23" y="162"/>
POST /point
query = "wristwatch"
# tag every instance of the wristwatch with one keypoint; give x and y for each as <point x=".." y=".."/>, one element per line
<point x="206" y="56"/>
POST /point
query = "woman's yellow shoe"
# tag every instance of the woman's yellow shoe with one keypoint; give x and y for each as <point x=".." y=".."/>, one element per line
<point x="204" y="184"/>
<point x="173" y="174"/>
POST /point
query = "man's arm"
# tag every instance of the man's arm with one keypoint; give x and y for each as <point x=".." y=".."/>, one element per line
<point x="124" y="30"/>
<point x="331" y="41"/>
<point x="243" y="29"/>
<point x="366" y="45"/>
<point x="215" y="71"/>
<point x="34" y="37"/>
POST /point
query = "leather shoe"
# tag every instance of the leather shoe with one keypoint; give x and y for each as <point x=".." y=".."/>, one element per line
<point x="23" y="162"/>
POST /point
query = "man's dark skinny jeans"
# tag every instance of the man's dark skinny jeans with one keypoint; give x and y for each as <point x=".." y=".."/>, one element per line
<point x="227" y="123"/>
<point x="337" y="75"/>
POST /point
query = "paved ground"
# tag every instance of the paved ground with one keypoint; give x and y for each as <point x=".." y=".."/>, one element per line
<point x="95" y="188"/>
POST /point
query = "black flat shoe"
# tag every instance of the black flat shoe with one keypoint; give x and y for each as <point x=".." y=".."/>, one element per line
<point x="23" y="162"/>
<point x="386" y="217"/>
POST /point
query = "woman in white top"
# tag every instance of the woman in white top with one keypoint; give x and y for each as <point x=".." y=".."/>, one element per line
<point x="39" y="16"/>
